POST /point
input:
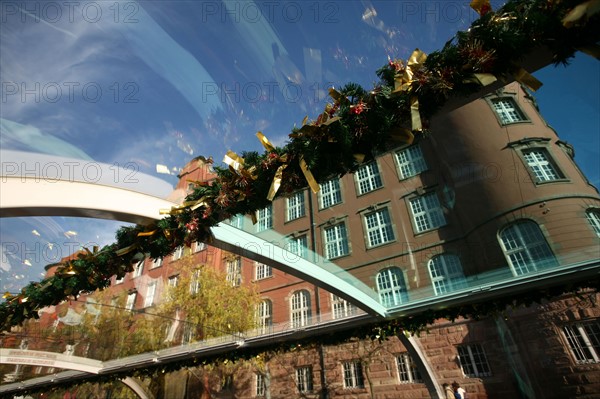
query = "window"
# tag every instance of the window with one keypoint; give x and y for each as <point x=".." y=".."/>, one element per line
<point x="264" y="219"/>
<point x="427" y="212"/>
<point x="195" y="282"/>
<point x="379" y="228"/>
<point x="130" y="300"/>
<point x="507" y="110"/>
<point x="138" y="269"/>
<point x="264" y="315"/>
<point x="304" y="379"/>
<point x="173" y="280"/>
<point x="150" y="292"/>
<point x="391" y="287"/>
<point x="298" y="246"/>
<point x="584" y="341"/>
<point x="263" y="271"/>
<point x="367" y="178"/>
<point x="198" y="246"/>
<point x="234" y="271"/>
<point x="341" y="307"/>
<point x="300" y="309"/>
<point x="189" y="333"/>
<point x="237" y="221"/>
<point x="336" y="241"/>
<point x="410" y="162"/>
<point x="446" y="274"/>
<point x="330" y="193"/>
<point x="593" y="216"/>
<point x="353" y="375"/>
<point x="473" y="361"/>
<point x="119" y="280"/>
<point x="541" y="165"/>
<point x="407" y="369"/>
<point x="178" y="254"/>
<point x="156" y="263"/>
<point x="295" y="206"/>
<point x="261" y="386"/>
<point x="525" y="247"/>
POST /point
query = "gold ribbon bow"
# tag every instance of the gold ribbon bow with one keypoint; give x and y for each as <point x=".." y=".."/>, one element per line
<point x="404" y="81"/>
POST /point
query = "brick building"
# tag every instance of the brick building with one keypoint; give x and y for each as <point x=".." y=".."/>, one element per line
<point x="490" y="193"/>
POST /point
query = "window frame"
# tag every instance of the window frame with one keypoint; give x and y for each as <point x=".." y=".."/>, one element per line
<point x="138" y="269"/>
<point x="408" y="372"/>
<point x="523" y="117"/>
<point x="304" y="379"/>
<point x="332" y="191"/>
<point x="156" y="263"/>
<point x="542" y="168"/>
<point x="261" y="386"/>
<point x="371" y="179"/>
<point x="379" y="227"/>
<point x="300" y="309"/>
<point x="177" y="253"/>
<point x="339" y="241"/>
<point x="353" y="374"/>
<point x="298" y="245"/>
<point x="594" y="220"/>
<point x="149" y="299"/>
<point x="417" y="164"/>
<point x="583" y="345"/>
<point x="398" y="292"/>
<point x="262" y="271"/>
<point x="341" y="308"/>
<point x="264" y="219"/>
<point x="470" y="360"/>
<point x="233" y="270"/>
<point x="130" y="302"/>
<point x="451" y="280"/>
<point x="295" y="206"/>
<point x="531" y="264"/>
<point x="264" y="315"/>
<point x="433" y="214"/>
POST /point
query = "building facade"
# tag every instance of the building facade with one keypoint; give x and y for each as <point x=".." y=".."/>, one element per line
<point x="490" y="192"/>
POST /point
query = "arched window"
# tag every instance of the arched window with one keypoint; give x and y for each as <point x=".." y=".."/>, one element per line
<point x="391" y="287"/>
<point x="264" y="313"/>
<point x="446" y="273"/>
<point x="593" y="216"/>
<point x="525" y="247"/>
<point x="300" y="308"/>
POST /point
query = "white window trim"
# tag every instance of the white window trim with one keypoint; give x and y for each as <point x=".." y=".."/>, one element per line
<point x="413" y="163"/>
<point x="300" y="309"/>
<point x="353" y="375"/>
<point x="580" y="345"/>
<point x="395" y="288"/>
<point x="473" y="351"/>
<point x="262" y="271"/>
<point x="199" y="246"/>
<point x="524" y="249"/>
<point x="138" y="269"/>
<point x="295" y="206"/>
<point x="408" y="373"/>
<point x="381" y="230"/>
<point x="264" y="219"/>
<point x="330" y="194"/>
<point x="261" y="386"/>
<point x="449" y="279"/>
<point x="265" y="315"/>
<point x="593" y="217"/>
<point x="178" y="253"/>
<point x="130" y="304"/>
<point x="341" y="308"/>
<point x="156" y="263"/>
<point x="338" y="246"/>
<point x="426" y="212"/>
<point x="298" y="246"/>
<point x="368" y="178"/>
<point x="150" y="293"/>
<point x="304" y="379"/>
<point x="234" y="271"/>
<point x="541" y="165"/>
<point x="503" y="112"/>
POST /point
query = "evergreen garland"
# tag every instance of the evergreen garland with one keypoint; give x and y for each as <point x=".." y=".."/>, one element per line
<point x="357" y="126"/>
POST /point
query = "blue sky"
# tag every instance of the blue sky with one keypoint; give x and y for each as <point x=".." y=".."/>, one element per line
<point x="141" y="84"/>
